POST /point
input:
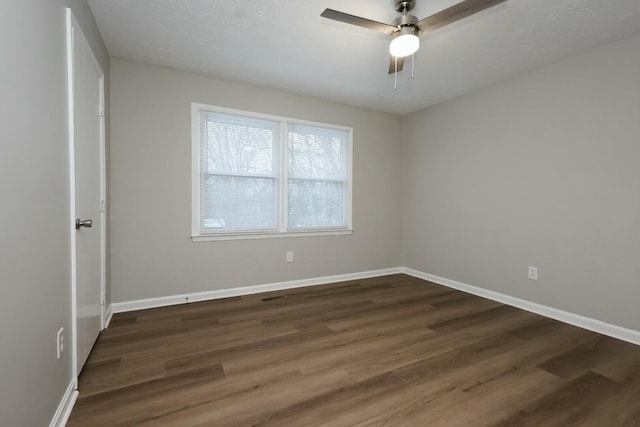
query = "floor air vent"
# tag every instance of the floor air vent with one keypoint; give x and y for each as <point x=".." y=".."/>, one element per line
<point x="274" y="298"/>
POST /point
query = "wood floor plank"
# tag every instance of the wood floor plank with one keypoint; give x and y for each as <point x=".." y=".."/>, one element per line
<point x="621" y="409"/>
<point x="385" y="351"/>
<point x="602" y="354"/>
<point x="232" y="409"/>
<point x="406" y="354"/>
<point x="568" y="406"/>
<point x="331" y="407"/>
<point x="141" y="394"/>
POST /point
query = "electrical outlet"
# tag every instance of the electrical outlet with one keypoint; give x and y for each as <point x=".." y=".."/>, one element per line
<point x="289" y="256"/>
<point x="533" y="273"/>
<point x="60" y="343"/>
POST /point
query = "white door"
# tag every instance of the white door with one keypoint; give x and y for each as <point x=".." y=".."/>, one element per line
<point x="87" y="172"/>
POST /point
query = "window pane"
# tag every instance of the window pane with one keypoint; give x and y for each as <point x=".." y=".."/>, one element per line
<point x="239" y="145"/>
<point x="315" y="204"/>
<point x="238" y="203"/>
<point x="316" y="152"/>
<point x="317" y="165"/>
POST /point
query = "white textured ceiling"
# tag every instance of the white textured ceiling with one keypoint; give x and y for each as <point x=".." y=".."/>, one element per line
<point x="287" y="45"/>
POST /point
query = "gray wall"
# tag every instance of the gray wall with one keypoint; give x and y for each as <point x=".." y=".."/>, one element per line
<point x="541" y="170"/>
<point x="152" y="254"/>
<point x="34" y="226"/>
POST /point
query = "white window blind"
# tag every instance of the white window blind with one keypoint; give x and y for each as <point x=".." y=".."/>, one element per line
<point x="239" y="173"/>
<point x="265" y="176"/>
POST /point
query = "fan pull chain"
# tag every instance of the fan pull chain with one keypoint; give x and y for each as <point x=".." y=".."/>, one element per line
<point x="395" y="75"/>
<point x="413" y="55"/>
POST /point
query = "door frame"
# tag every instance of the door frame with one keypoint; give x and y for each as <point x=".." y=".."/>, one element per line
<point x="74" y="32"/>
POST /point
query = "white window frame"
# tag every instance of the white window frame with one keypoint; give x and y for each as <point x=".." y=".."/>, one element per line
<point x="282" y="231"/>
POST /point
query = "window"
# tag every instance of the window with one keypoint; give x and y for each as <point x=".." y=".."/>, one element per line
<point x="255" y="176"/>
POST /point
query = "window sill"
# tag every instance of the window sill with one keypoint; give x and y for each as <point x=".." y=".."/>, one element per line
<point x="272" y="235"/>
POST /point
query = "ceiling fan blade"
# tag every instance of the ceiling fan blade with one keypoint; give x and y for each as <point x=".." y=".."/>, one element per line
<point x="455" y="13"/>
<point x="392" y="64"/>
<point x="356" y="20"/>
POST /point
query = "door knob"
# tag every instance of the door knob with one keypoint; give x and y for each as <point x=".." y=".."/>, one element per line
<point x="83" y="223"/>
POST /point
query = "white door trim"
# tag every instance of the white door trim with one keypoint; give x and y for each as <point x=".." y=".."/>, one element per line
<point x="74" y="30"/>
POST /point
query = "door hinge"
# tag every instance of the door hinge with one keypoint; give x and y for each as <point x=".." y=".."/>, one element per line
<point x="100" y="110"/>
<point x="103" y="299"/>
<point x="102" y="206"/>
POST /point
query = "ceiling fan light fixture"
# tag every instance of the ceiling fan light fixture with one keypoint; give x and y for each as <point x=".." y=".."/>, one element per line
<point x="405" y="42"/>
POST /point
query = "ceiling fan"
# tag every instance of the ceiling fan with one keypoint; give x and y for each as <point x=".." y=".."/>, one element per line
<point x="406" y="29"/>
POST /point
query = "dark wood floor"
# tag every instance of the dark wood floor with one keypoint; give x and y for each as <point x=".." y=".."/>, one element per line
<point x="388" y="351"/>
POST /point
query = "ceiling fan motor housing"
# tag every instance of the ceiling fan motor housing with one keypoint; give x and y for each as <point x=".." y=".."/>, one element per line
<point x="405" y="21"/>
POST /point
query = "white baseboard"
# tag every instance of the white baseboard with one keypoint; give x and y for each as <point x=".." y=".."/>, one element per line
<point x="121" y="307"/>
<point x="63" y="412"/>
<point x="107" y="316"/>
<point x="601" y="327"/>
